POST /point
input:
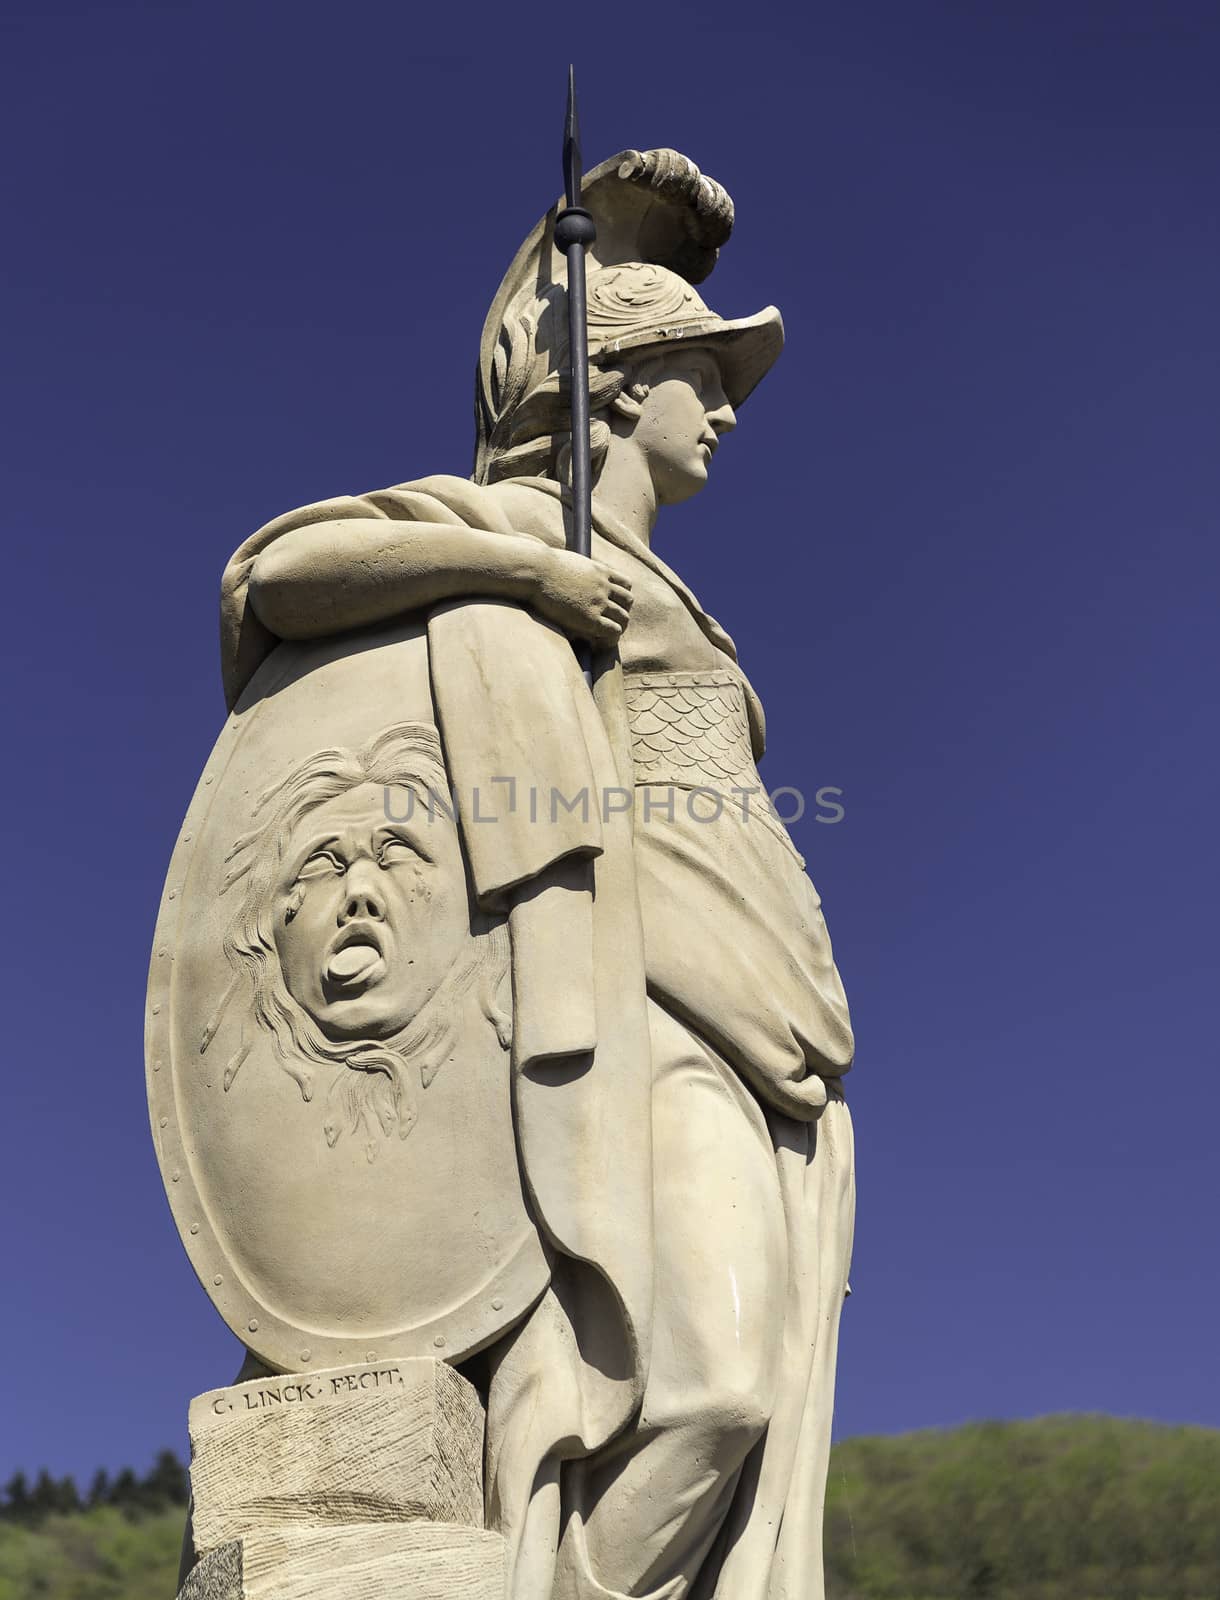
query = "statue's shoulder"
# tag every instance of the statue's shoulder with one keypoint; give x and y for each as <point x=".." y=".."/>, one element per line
<point x="526" y="506"/>
<point x="520" y="506"/>
<point x="515" y="506"/>
<point x="441" y="498"/>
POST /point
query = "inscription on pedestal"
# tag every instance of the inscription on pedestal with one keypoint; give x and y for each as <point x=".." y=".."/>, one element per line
<point x="275" y="1392"/>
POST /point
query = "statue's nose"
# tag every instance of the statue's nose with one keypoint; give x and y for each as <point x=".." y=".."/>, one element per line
<point x="363" y="899"/>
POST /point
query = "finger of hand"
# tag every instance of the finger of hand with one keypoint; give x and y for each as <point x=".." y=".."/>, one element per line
<point x="616" y="614"/>
<point x="620" y="594"/>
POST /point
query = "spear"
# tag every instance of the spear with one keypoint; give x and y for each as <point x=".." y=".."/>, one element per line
<point x="574" y="233"/>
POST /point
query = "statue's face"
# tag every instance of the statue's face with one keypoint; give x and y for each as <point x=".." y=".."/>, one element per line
<point x="369" y="913"/>
<point x="681" y="420"/>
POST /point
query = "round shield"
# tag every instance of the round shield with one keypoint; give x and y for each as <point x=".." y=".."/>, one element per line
<point x="328" y="1028"/>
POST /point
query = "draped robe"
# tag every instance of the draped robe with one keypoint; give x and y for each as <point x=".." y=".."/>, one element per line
<point x="715" y="922"/>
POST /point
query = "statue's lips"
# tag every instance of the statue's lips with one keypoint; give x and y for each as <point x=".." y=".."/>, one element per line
<point x="356" y="963"/>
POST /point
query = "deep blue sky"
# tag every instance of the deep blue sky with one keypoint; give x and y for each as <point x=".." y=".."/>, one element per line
<point x="965" y="536"/>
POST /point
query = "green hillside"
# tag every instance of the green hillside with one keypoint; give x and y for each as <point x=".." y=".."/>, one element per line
<point x="101" y="1554"/>
<point x="120" y="1542"/>
<point x="1066" y="1508"/>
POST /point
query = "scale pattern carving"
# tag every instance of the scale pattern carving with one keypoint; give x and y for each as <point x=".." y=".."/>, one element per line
<point x="689" y="728"/>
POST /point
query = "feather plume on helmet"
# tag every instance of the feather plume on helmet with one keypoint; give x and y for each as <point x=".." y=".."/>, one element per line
<point x="660" y="225"/>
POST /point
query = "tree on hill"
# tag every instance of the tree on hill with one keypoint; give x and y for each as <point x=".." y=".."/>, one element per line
<point x="17" y="1497"/>
<point x="48" y="1497"/>
<point x="67" y="1495"/>
<point x="125" y="1492"/>
<point x="167" y="1483"/>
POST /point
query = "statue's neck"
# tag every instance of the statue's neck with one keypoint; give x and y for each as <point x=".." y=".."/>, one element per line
<point x="625" y="490"/>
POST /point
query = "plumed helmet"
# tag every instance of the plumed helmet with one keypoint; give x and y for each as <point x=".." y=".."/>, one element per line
<point x="660" y="225"/>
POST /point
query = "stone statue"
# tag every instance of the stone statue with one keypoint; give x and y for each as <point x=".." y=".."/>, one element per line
<point x="494" y="1022"/>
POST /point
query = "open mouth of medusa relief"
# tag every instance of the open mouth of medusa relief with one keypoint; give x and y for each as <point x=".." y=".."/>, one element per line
<point x="356" y="960"/>
<point x="355" y="934"/>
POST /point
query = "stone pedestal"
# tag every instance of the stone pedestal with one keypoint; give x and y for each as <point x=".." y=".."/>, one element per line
<point x="353" y="1483"/>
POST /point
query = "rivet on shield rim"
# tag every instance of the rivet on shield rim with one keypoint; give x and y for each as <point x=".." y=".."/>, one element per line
<point x="217" y="1280"/>
<point x="370" y="1355"/>
<point x="177" y="1175"/>
<point x="165" y="1122"/>
<point x="253" y="1324"/>
<point x="194" y="1227"/>
<point x="439" y="1340"/>
<point x="305" y="1355"/>
<point x="497" y="1305"/>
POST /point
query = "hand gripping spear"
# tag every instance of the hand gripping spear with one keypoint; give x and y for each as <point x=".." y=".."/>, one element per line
<point x="575" y="231"/>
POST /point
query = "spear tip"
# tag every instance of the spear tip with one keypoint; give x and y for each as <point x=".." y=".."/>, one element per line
<point x="572" y="165"/>
<point x="571" y="126"/>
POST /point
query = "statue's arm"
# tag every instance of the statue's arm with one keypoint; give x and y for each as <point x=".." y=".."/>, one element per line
<point x="349" y="572"/>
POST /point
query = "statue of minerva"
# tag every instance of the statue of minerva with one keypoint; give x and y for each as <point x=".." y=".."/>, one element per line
<point x="495" y="1044"/>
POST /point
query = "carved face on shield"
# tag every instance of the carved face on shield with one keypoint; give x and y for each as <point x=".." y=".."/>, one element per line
<point x="370" y="912"/>
<point x="355" y="932"/>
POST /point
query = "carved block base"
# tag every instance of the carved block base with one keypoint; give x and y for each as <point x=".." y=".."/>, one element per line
<point x="415" y="1561"/>
<point x="353" y="1483"/>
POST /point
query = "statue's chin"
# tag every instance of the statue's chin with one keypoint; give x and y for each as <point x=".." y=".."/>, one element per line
<point x="357" y="1020"/>
<point x="682" y="488"/>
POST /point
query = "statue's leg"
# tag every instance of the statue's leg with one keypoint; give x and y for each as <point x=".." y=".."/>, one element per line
<point x="653" y="1503"/>
<point x="771" y="1541"/>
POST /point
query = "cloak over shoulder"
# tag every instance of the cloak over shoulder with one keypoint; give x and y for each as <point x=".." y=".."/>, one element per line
<point x="736" y="944"/>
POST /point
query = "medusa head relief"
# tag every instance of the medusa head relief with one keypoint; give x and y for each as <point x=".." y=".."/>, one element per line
<point x="354" y="940"/>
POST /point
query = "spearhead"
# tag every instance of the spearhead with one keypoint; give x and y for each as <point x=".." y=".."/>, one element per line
<point x="573" y="171"/>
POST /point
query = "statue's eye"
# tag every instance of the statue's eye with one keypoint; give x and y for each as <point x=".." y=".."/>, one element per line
<point x="320" y="865"/>
<point x="393" y="851"/>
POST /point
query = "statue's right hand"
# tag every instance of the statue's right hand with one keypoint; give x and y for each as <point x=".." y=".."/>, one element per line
<point x="584" y="597"/>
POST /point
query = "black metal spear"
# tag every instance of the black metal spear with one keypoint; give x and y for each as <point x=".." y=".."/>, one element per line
<point x="575" y="231"/>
